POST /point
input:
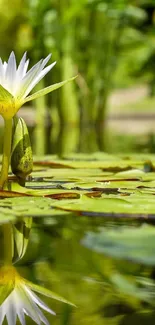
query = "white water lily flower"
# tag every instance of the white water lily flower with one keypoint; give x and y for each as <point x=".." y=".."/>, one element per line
<point x="17" y="82"/>
<point x="19" y="299"/>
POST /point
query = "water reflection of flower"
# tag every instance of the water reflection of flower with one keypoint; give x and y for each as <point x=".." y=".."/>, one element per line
<point x="21" y="299"/>
<point x="17" y="297"/>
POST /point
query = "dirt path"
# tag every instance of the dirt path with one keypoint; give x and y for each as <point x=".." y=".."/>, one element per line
<point x="134" y="122"/>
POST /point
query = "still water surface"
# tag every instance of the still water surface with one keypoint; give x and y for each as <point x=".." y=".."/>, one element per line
<point x="101" y="287"/>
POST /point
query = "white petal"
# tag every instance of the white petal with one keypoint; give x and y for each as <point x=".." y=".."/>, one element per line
<point x="45" y="61"/>
<point x="5" y="66"/>
<point x="33" y="76"/>
<point x="25" y="67"/>
<point x="21" y="67"/>
<point x="28" y="78"/>
<point x="10" y="74"/>
<point x="38" y="78"/>
<point x="20" y="73"/>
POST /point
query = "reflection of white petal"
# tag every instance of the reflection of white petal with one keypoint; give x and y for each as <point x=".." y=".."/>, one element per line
<point x="23" y="301"/>
<point x="28" y="305"/>
<point x="42" y="317"/>
<point x="11" y="314"/>
<point x="25" y="312"/>
<point x="38" y="301"/>
<point x="2" y="313"/>
<point x="21" y="316"/>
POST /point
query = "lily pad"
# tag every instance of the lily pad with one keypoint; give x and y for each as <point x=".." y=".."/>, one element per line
<point x="98" y="184"/>
<point x="134" y="205"/>
<point x="16" y="208"/>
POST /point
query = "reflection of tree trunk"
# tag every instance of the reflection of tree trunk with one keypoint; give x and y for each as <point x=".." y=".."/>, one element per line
<point x="48" y="133"/>
<point x="88" y="140"/>
<point x="101" y="120"/>
<point x="68" y="139"/>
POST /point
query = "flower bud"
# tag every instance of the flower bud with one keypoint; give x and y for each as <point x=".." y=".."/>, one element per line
<point x="21" y="157"/>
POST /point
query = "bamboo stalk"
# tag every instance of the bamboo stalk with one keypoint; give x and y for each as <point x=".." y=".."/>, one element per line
<point x="69" y="109"/>
<point x="40" y="130"/>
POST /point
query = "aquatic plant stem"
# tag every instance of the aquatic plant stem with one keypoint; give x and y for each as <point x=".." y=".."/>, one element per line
<point x="7" y="237"/>
<point x="6" y="151"/>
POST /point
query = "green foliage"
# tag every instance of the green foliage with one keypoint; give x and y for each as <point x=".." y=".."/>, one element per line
<point x="96" y="39"/>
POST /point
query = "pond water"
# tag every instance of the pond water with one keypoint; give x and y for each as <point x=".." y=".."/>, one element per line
<point x="91" y="240"/>
<point x="105" y="290"/>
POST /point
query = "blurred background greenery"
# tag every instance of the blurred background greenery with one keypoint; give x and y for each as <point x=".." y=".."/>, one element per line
<point x="110" y="44"/>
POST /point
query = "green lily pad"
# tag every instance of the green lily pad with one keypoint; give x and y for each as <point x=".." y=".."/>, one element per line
<point x="6" y="216"/>
<point x="135" y="205"/>
<point x="16" y="208"/>
<point x="98" y="184"/>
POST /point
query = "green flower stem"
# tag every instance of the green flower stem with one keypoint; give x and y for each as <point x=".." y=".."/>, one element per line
<point x="6" y="151"/>
<point x="7" y="243"/>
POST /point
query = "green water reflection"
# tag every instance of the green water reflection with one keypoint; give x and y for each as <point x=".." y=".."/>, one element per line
<point x="89" y="139"/>
<point x="70" y="139"/>
<point x="105" y="290"/>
